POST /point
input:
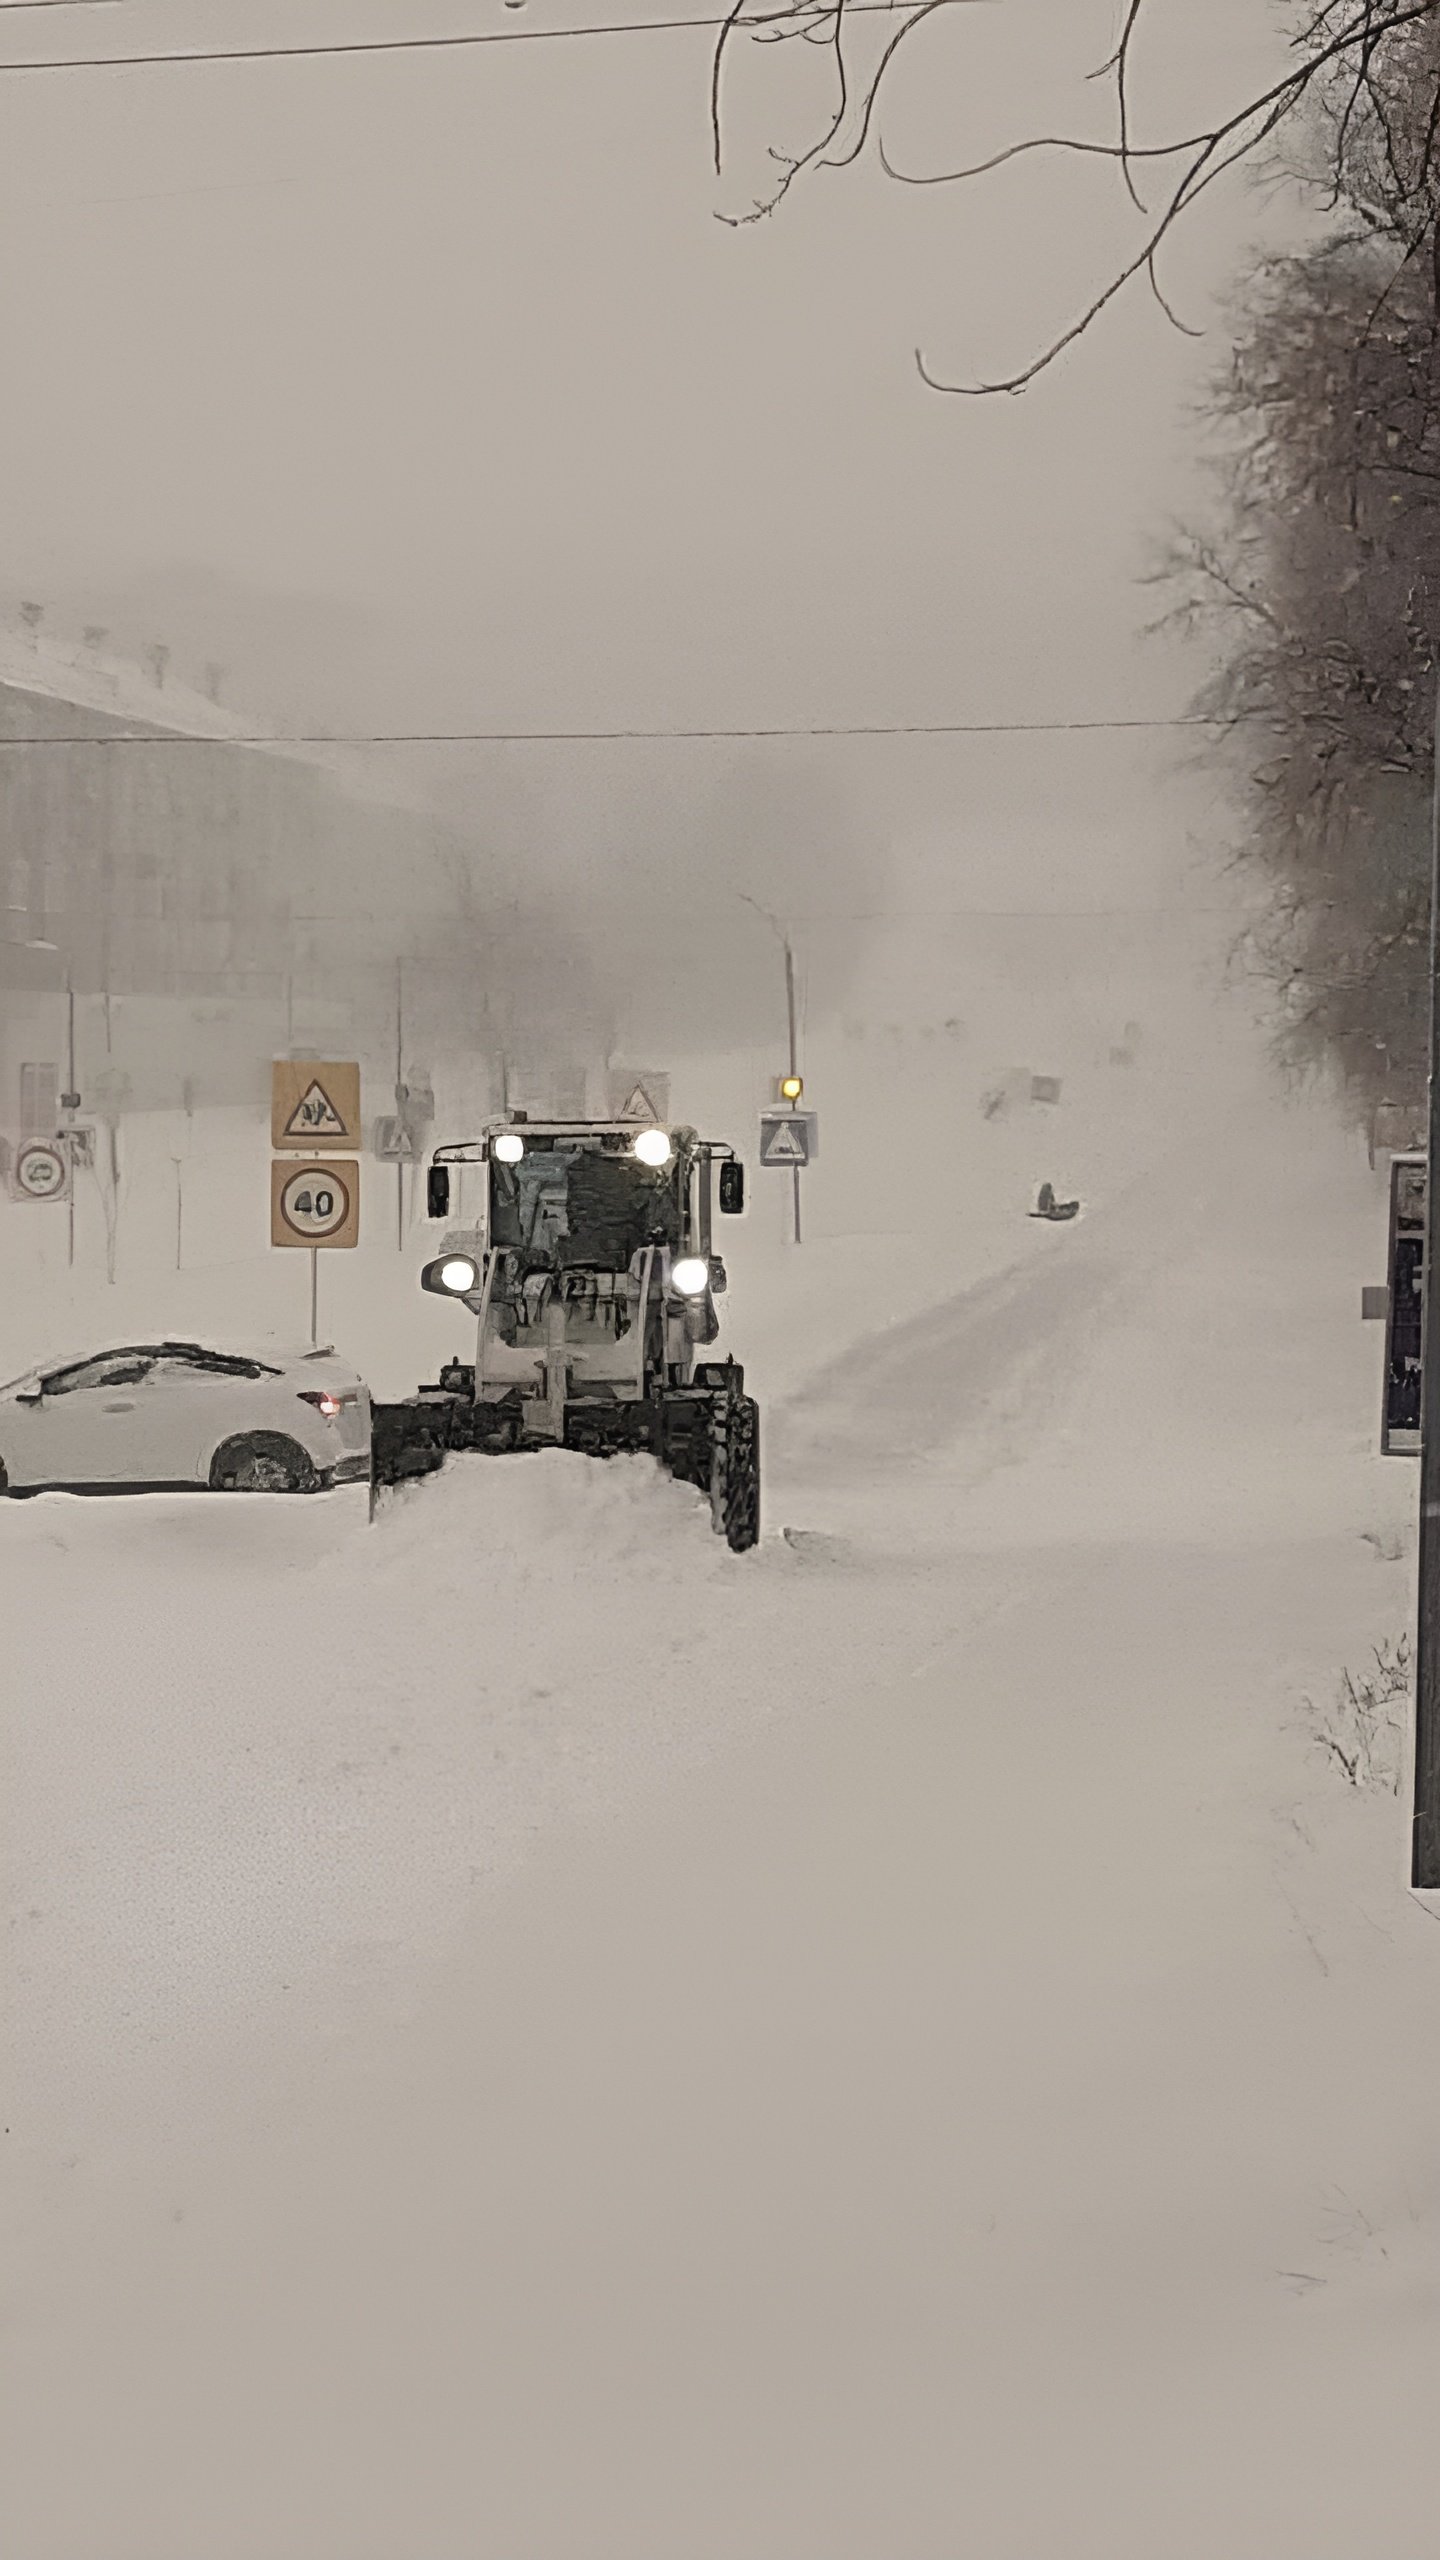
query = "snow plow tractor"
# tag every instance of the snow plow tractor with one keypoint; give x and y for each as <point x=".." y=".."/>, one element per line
<point x="584" y="1252"/>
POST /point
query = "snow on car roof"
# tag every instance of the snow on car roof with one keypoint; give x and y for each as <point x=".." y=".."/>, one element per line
<point x="153" y="1343"/>
<point x="270" y="1350"/>
<point x="50" y="1367"/>
<point x="262" y="1348"/>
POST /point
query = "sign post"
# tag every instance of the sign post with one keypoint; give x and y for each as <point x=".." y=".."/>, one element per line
<point x="314" y="1198"/>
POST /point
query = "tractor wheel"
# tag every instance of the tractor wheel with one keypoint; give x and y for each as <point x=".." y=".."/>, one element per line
<point x="735" y="1477"/>
<point x="263" y="1462"/>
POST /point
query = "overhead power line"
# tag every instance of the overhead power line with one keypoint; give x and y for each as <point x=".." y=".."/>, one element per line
<point x="357" y="45"/>
<point x="577" y="737"/>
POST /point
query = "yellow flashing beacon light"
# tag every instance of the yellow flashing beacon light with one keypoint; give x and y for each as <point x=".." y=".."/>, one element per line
<point x="791" y="1088"/>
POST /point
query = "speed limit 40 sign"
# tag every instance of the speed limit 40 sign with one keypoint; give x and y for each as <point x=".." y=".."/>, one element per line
<point x="314" y="1204"/>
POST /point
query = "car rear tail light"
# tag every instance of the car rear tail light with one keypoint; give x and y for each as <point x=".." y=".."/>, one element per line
<point x="326" y="1404"/>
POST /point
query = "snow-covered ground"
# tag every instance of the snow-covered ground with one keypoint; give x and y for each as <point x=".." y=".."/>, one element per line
<point x="533" y="2035"/>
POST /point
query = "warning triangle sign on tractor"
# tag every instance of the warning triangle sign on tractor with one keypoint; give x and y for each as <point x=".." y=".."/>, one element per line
<point x="639" y="1106"/>
<point x="315" y="1115"/>
<point x="783" y="1144"/>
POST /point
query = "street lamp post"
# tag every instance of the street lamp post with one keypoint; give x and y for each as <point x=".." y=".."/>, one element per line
<point x="791" y="1021"/>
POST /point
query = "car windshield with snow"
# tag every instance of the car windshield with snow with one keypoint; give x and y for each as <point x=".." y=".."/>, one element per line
<point x="183" y="1415"/>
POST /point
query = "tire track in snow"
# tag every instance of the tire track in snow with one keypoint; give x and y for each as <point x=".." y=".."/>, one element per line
<point x="1004" y="1358"/>
<point x="914" y="1391"/>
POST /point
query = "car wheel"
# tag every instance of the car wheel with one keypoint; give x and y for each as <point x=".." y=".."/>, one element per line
<point x="263" y="1462"/>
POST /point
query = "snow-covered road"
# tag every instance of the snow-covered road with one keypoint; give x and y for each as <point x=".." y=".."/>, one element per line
<point x="536" y="2036"/>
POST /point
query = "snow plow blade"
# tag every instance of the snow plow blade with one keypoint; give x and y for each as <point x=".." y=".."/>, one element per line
<point x="411" y="1439"/>
<point x="706" y="1435"/>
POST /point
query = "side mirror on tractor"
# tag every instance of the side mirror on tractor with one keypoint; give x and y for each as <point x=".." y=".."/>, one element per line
<point x="732" y="1188"/>
<point x="437" y="1191"/>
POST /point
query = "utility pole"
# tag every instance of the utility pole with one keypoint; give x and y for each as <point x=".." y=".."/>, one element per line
<point x="1425" y="1835"/>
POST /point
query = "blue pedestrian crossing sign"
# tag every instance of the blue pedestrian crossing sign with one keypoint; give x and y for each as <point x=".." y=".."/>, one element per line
<point x="789" y="1139"/>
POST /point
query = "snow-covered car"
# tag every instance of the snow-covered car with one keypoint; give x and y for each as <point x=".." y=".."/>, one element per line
<point x="175" y="1416"/>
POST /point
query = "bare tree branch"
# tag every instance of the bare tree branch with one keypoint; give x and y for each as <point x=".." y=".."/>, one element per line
<point x="1344" y="42"/>
<point x="927" y="9"/>
<point x="1119" y="64"/>
<point x="830" y="21"/>
<point x="717" y="63"/>
<point x="1203" y="171"/>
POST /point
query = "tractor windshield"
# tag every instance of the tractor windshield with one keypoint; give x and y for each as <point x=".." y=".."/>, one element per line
<point x="566" y="1207"/>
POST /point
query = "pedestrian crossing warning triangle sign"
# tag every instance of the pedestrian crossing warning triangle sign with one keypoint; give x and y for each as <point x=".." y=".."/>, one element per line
<point x="314" y="1102"/>
<point x="782" y="1142"/>
<point x="638" y="1093"/>
<point x="315" y="1115"/>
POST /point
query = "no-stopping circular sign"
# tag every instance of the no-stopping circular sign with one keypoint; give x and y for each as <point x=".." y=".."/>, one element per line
<point x="315" y="1203"/>
<point x="40" y="1172"/>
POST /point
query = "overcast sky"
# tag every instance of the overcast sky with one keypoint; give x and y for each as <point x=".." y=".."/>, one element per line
<point x="427" y="391"/>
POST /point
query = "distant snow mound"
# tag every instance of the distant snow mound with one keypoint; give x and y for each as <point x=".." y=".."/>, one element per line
<point x="818" y="1547"/>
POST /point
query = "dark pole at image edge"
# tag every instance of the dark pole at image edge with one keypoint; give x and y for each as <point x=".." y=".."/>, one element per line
<point x="1425" y="1836"/>
<point x="794" y="1057"/>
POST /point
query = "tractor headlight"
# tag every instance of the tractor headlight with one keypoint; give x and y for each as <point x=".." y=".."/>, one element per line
<point x="507" y="1149"/>
<point x="690" y="1276"/>
<point x="653" y="1147"/>
<point x="458" y="1274"/>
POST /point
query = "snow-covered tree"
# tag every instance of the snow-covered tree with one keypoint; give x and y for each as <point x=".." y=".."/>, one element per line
<point x="1320" y="579"/>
